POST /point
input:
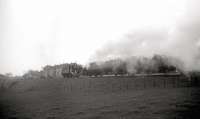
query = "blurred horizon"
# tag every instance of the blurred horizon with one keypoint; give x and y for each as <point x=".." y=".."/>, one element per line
<point x="48" y="32"/>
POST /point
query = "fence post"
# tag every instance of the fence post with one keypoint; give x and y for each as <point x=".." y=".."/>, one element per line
<point x="154" y="83"/>
<point x="174" y="82"/>
<point x="127" y="86"/>
<point x="164" y="82"/>
<point x="120" y="86"/>
<point x="70" y="86"/>
<point x="144" y="82"/>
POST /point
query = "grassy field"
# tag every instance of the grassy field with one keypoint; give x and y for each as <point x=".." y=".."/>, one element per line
<point x="153" y="97"/>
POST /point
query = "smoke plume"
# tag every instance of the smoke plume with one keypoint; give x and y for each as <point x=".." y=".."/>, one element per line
<point x="181" y="41"/>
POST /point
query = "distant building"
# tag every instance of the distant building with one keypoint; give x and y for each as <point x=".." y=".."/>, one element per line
<point x="56" y="71"/>
<point x="32" y="75"/>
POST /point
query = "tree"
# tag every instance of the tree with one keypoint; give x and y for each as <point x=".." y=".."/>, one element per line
<point x="8" y="74"/>
<point x="94" y="69"/>
<point x="121" y="68"/>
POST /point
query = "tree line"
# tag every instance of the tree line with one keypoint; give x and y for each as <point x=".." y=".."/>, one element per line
<point x="127" y="66"/>
<point x="135" y="65"/>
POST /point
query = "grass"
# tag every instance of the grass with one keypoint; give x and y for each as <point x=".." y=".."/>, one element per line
<point x="100" y="98"/>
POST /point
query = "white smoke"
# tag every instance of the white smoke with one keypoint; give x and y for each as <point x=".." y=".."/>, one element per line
<point x="182" y="41"/>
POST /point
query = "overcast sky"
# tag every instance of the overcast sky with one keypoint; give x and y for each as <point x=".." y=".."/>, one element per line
<point x="34" y="33"/>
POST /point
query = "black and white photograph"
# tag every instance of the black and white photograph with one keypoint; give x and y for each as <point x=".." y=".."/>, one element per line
<point x="99" y="59"/>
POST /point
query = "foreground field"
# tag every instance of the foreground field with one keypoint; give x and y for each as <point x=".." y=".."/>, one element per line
<point x="100" y="98"/>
